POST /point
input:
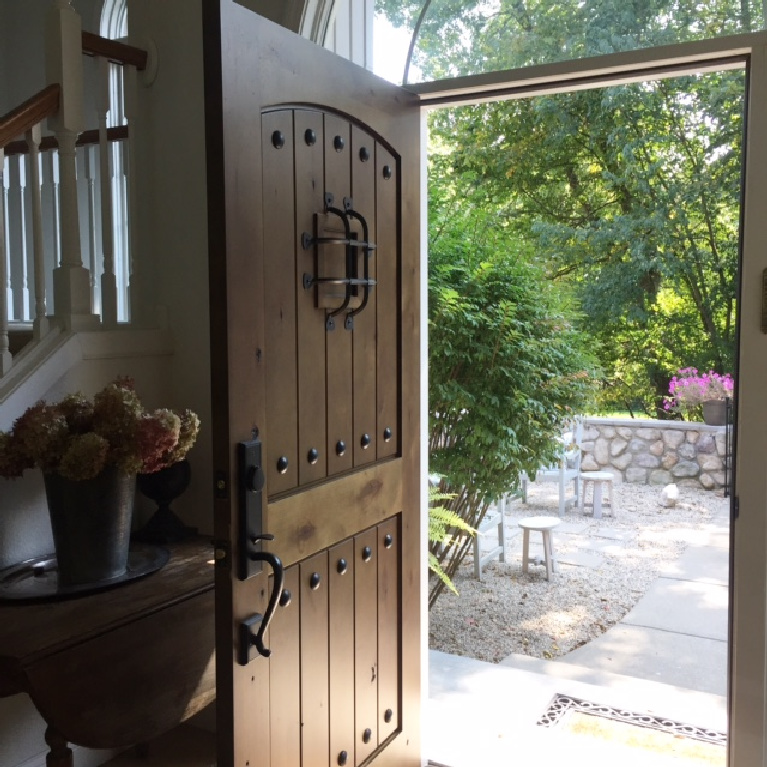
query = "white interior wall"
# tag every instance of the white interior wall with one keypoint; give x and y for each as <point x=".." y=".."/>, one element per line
<point x="169" y="146"/>
<point x="4" y="60"/>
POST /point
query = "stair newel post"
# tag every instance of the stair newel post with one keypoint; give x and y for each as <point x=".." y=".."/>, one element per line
<point x="63" y="65"/>
<point x="108" y="279"/>
<point x="40" y="326"/>
<point x="5" y="351"/>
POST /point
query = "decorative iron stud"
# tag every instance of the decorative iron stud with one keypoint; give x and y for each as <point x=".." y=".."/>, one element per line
<point x="343" y="757"/>
<point x="282" y="464"/>
<point x="364" y="154"/>
<point x="387" y="434"/>
<point x="388" y="541"/>
<point x="338" y="143"/>
<point x="313" y="456"/>
<point x="278" y="139"/>
<point x="285" y="598"/>
<point x="388" y="714"/>
<point x="342" y="566"/>
<point x="367" y="735"/>
<point x="310" y="137"/>
<point x="365" y="441"/>
<point x="314" y="581"/>
<point x="387" y="172"/>
<point x="340" y="447"/>
<point x="367" y="554"/>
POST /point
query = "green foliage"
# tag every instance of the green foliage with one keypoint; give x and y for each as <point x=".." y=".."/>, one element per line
<point x="461" y="37"/>
<point x="443" y="524"/>
<point x="629" y="195"/>
<point x="506" y="363"/>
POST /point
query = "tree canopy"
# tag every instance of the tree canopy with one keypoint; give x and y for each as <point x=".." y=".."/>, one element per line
<point x="461" y="37"/>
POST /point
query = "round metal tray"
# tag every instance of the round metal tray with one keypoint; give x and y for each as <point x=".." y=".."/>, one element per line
<point x="38" y="579"/>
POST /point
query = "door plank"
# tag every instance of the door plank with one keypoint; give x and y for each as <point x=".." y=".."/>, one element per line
<point x="285" y="676"/>
<point x="388" y="628"/>
<point x="341" y="629"/>
<point x="366" y="643"/>
<point x="280" y="303"/>
<point x="315" y="704"/>
<point x="251" y="708"/>
<point x="310" y="179"/>
<point x="387" y="304"/>
<point x="339" y="341"/>
<point x="306" y="522"/>
<point x="364" y="334"/>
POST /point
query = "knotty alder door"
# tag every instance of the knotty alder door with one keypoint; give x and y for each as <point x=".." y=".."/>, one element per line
<point x="313" y="183"/>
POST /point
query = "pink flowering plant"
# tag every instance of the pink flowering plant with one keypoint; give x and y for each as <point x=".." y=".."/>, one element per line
<point x="77" y="438"/>
<point x="689" y="389"/>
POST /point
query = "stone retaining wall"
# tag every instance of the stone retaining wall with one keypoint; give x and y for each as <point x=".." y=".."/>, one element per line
<point x="656" y="452"/>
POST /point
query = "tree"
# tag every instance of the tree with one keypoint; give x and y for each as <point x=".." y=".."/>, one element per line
<point x="632" y="192"/>
<point x="461" y="37"/>
<point x="506" y="364"/>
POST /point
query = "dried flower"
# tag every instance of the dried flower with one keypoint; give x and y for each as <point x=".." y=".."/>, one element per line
<point x="77" y="438"/>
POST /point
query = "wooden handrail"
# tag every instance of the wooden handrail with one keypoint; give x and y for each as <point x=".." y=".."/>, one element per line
<point x="25" y="116"/>
<point x="117" y="53"/>
<point x="120" y="133"/>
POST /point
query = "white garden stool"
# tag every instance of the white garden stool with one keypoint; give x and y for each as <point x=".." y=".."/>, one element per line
<point x="544" y="525"/>
<point x="597" y="479"/>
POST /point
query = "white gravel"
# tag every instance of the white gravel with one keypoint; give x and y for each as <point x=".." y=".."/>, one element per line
<point x="617" y="559"/>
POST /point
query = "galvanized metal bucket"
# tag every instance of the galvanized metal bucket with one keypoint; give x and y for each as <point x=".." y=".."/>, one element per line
<point x="91" y="524"/>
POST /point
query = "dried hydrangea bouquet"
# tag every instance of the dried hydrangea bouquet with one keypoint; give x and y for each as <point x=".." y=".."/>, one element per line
<point x="90" y="452"/>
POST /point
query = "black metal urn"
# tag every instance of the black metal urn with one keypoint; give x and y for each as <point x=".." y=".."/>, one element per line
<point x="163" y="487"/>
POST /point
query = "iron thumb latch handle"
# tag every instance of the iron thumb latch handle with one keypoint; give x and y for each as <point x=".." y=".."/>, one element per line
<point x="249" y="637"/>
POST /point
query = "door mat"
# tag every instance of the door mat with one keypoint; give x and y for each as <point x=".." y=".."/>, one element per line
<point x="562" y="704"/>
<point x="644" y="740"/>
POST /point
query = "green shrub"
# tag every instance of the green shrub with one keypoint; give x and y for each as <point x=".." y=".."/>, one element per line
<point x="506" y="368"/>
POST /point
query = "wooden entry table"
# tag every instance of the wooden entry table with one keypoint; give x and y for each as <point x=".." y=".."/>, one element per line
<point x="119" y="667"/>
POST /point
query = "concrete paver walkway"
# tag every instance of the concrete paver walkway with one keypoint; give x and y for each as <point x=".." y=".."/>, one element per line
<point x="668" y="657"/>
<point x="677" y="632"/>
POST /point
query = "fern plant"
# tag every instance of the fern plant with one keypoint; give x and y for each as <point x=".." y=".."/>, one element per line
<point x="443" y="524"/>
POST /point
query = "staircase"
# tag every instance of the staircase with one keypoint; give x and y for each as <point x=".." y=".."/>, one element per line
<point x="65" y="225"/>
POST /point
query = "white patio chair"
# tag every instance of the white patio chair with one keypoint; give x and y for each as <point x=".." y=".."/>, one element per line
<point x="566" y="470"/>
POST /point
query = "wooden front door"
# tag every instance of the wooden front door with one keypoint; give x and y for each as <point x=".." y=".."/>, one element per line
<point x="313" y="178"/>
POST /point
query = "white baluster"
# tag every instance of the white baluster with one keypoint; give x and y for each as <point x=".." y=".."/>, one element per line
<point x="18" y="228"/>
<point x="108" y="280"/>
<point x="63" y="65"/>
<point x="120" y="208"/>
<point x="40" y="326"/>
<point x="136" y="292"/>
<point x="89" y="216"/>
<point x="7" y="287"/>
<point x="5" y="352"/>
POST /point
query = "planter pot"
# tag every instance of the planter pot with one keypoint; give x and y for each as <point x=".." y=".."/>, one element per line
<point x="715" y="412"/>
<point x="91" y="521"/>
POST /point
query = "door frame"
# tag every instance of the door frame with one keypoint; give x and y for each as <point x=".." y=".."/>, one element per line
<point x="747" y="647"/>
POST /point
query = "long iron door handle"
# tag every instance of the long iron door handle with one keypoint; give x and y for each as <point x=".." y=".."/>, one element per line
<point x="249" y="638"/>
